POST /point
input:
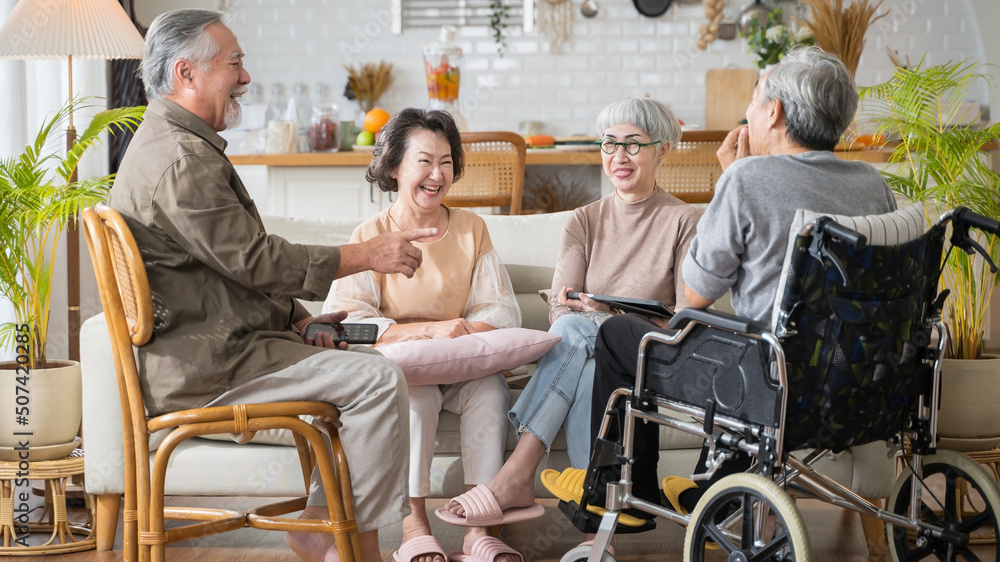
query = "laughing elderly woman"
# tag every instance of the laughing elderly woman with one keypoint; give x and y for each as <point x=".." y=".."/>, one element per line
<point x="461" y="288"/>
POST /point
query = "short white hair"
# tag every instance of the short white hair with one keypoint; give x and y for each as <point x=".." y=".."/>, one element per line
<point x="817" y="93"/>
<point x="653" y="117"/>
<point x="173" y="36"/>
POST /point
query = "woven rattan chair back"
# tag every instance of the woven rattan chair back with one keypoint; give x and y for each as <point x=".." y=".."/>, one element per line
<point x="127" y="302"/>
<point x="96" y="234"/>
<point x="494" y="171"/>
<point x="691" y="168"/>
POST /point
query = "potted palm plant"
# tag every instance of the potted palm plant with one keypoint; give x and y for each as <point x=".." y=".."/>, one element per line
<point x="37" y="200"/>
<point x="940" y="160"/>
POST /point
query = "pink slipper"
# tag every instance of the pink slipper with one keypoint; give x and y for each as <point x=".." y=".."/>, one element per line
<point x="486" y="549"/>
<point x="419" y="546"/>
<point x="482" y="510"/>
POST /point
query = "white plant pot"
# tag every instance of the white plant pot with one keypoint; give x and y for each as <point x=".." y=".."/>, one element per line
<point x="970" y="399"/>
<point x="53" y="401"/>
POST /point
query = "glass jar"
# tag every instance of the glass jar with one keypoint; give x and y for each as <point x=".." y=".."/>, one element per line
<point x="442" y="64"/>
<point x="324" y="131"/>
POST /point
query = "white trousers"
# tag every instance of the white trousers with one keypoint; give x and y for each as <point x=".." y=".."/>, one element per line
<point x="482" y="404"/>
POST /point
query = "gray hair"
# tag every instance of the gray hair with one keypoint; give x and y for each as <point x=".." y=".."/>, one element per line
<point x="653" y="117"/>
<point x="817" y="93"/>
<point x="173" y="36"/>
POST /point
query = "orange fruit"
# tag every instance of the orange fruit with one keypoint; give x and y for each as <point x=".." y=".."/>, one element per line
<point x="864" y="141"/>
<point x="376" y="119"/>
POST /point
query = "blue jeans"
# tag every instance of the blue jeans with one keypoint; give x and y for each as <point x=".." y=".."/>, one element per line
<point x="559" y="392"/>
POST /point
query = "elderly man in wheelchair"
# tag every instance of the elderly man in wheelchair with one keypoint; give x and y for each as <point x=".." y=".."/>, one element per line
<point x="835" y="344"/>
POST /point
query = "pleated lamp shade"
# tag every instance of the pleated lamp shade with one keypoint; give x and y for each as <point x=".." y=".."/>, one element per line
<point x="47" y="29"/>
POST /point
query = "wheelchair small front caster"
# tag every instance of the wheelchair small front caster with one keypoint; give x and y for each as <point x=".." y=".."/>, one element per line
<point x="748" y="517"/>
<point x="582" y="552"/>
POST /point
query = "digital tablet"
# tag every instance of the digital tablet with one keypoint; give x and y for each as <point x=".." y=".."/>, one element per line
<point x="641" y="306"/>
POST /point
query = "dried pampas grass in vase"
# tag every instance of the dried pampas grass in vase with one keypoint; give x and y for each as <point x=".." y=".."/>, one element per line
<point x="841" y="30"/>
<point x="368" y="82"/>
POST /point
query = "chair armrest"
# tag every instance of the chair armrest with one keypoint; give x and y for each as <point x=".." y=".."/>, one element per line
<point x="214" y="414"/>
<point x="722" y="320"/>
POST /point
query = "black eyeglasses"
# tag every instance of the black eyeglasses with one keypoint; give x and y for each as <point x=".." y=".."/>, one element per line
<point x="632" y="146"/>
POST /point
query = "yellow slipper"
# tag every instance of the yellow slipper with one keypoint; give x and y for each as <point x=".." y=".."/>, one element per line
<point x="568" y="487"/>
<point x="673" y="487"/>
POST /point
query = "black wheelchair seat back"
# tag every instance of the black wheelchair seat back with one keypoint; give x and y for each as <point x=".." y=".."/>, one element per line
<point x="856" y="346"/>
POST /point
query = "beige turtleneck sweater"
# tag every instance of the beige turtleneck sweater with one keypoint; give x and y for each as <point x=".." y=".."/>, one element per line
<point x="611" y="247"/>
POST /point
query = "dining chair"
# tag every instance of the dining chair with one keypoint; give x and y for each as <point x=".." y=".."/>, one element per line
<point x="691" y="168"/>
<point x="127" y="302"/>
<point x="494" y="171"/>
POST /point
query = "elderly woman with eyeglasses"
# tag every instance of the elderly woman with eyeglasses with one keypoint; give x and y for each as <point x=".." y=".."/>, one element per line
<point x="630" y="244"/>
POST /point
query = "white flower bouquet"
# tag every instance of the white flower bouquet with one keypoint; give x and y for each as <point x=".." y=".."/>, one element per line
<point x="772" y="40"/>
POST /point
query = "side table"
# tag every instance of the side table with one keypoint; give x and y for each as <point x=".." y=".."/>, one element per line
<point x="18" y="526"/>
<point x="991" y="462"/>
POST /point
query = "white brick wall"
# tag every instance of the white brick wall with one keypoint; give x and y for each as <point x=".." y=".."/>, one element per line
<point x="617" y="53"/>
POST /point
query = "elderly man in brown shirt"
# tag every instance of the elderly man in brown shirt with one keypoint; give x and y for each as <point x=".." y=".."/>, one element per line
<point x="228" y="327"/>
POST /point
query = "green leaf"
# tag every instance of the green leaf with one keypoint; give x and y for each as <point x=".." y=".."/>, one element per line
<point x="36" y="203"/>
<point x="108" y="121"/>
<point x="940" y="161"/>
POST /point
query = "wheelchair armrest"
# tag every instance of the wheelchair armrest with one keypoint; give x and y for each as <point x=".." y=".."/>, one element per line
<point x="715" y="318"/>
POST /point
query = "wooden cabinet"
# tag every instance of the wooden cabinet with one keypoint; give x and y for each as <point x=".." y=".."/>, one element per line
<point x="312" y="192"/>
<point x="323" y="192"/>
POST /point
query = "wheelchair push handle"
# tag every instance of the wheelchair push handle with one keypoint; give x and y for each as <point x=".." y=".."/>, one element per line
<point x="965" y="217"/>
<point x="825" y="230"/>
<point x="962" y="218"/>
<point x="836" y="230"/>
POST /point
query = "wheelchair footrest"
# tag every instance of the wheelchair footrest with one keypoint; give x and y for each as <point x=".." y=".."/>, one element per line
<point x="588" y="522"/>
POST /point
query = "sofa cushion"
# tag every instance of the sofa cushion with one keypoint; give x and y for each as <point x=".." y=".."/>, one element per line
<point x="326" y="232"/>
<point x="448" y="361"/>
<point x="528" y="246"/>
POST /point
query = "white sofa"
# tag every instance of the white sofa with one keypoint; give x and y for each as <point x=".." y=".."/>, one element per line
<point x="527" y="245"/>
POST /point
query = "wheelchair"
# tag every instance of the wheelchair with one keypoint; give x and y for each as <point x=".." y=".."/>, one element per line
<point x="853" y="358"/>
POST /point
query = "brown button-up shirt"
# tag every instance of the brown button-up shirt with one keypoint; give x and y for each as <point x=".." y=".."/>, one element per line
<point x="223" y="289"/>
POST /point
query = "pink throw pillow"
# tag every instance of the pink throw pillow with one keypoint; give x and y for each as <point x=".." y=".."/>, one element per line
<point x="448" y="361"/>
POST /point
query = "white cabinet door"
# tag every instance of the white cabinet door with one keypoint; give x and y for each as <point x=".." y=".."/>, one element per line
<point x="323" y="192"/>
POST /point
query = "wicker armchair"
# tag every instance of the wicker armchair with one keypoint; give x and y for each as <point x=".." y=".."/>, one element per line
<point x="691" y="169"/>
<point x="125" y="296"/>
<point x="494" y="172"/>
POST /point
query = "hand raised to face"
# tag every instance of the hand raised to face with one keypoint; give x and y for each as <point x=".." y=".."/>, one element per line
<point x="736" y="146"/>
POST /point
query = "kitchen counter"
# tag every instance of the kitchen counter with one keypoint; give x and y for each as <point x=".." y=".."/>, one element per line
<point x="533" y="157"/>
<point x="325" y="184"/>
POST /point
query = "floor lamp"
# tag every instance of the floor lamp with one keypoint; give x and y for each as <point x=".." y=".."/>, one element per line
<point x="64" y="29"/>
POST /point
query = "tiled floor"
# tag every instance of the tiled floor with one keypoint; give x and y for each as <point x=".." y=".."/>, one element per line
<point x="835" y="536"/>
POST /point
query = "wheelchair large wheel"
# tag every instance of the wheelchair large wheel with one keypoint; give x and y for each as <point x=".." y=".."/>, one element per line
<point x="960" y="496"/>
<point x="750" y="518"/>
<point x="581" y="553"/>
